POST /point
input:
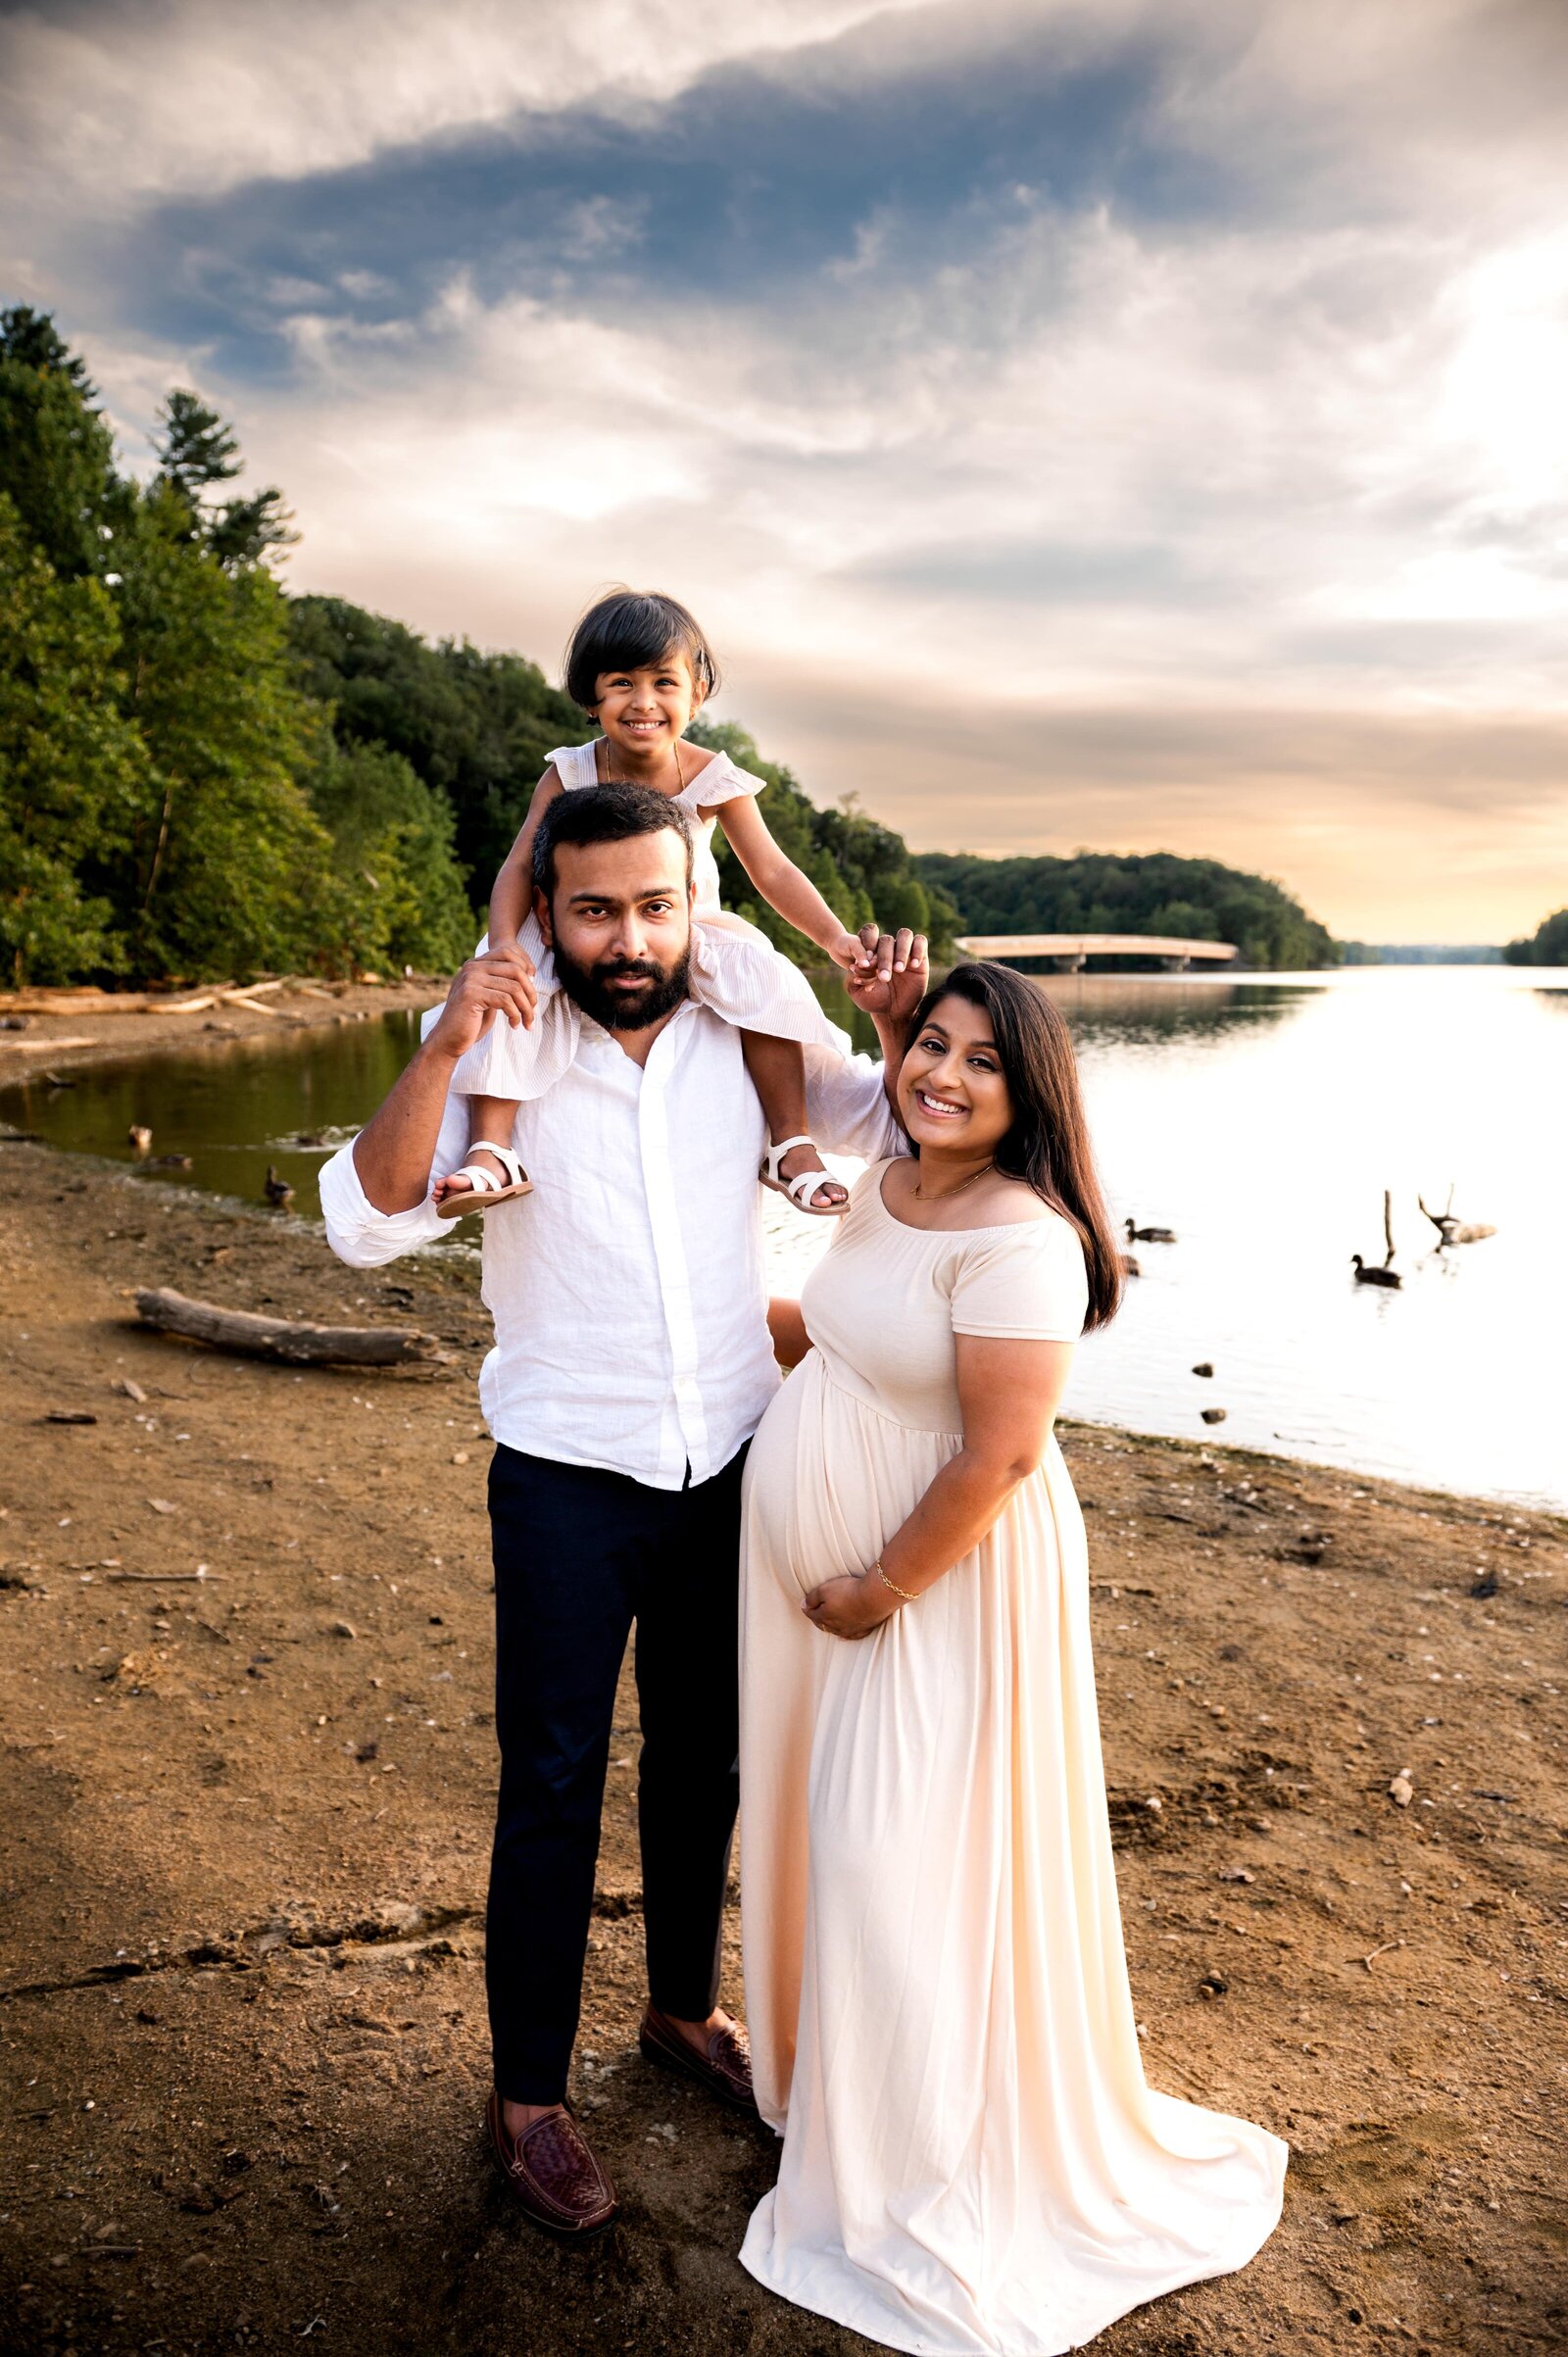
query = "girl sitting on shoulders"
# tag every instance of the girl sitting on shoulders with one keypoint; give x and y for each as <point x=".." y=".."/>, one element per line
<point x="642" y="669"/>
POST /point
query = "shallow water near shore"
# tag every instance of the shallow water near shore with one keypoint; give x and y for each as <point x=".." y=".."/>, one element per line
<point x="1260" y="1118"/>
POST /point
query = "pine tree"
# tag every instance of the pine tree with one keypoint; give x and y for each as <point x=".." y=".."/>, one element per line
<point x="73" y="768"/>
<point x="196" y="448"/>
<point x="57" y="456"/>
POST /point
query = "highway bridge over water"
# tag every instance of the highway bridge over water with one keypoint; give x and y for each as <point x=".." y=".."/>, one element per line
<point x="1068" y="952"/>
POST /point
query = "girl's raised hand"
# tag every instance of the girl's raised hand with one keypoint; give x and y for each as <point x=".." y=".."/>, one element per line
<point x="852" y="951"/>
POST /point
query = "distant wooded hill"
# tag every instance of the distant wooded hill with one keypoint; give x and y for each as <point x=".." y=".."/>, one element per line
<point x="1149" y="891"/>
<point x="1547" y="945"/>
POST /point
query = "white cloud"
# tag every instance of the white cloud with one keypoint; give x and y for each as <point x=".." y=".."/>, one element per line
<point x="1242" y="533"/>
<point x="158" y="97"/>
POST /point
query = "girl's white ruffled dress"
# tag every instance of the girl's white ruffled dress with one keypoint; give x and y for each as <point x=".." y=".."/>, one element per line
<point x="736" y="971"/>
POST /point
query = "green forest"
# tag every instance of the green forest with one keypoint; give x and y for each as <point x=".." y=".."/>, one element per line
<point x="1547" y="945"/>
<point x="202" y="776"/>
<point x="1142" y="891"/>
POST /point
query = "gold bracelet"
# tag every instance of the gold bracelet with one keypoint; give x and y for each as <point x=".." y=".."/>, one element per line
<point x="908" y="1593"/>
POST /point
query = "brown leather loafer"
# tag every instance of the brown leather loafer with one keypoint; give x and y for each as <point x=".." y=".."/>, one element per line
<point x="552" y="2172"/>
<point x="724" y="2069"/>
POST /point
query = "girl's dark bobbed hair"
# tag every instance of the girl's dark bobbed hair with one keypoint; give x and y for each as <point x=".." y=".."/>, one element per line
<point x="629" y="631"/>
<point x="1047" y="1145"/>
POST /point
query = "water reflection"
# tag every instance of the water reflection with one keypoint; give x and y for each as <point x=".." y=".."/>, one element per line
<point x="1142" y="1009"/>
<point x="1135" y="1010"/>
<point x="232" y="1106"/>
<point x="1261" y="1120"/>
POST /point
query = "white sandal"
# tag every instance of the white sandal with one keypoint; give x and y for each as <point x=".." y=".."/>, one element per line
<point x="484" y="1189"/>
<point x="805" y="1182"/>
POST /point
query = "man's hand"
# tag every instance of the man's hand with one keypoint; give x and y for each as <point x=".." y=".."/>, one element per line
<point x="501" y="982"/>
<point x="897" y="978"/>
<point x="852" y="1606"/>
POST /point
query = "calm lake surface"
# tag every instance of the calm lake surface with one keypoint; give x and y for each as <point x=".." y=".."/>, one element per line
<point x="1262" y="1120"/>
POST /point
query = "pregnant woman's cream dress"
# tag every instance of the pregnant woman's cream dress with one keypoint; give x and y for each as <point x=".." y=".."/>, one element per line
<point x="935" y="1983"/>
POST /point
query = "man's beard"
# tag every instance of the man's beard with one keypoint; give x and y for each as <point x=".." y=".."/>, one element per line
<point x="588" y="987"/>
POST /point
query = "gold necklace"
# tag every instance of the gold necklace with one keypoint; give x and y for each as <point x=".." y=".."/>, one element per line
<point x="680" y="774"/>
<point x="952" y="1191"/>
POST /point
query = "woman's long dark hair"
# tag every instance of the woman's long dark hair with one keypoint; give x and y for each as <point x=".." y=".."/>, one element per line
<point x="1047" y="1145"/>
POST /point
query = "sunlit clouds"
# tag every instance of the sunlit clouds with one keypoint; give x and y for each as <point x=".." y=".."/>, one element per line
<point x="1117" y="426"/>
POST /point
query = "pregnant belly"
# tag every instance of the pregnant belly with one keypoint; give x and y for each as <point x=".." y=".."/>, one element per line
<point x="829" y="1481"/>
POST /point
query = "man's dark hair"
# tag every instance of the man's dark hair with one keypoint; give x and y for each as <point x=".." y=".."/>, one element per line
<point x="612" y="813"/>
<point x="627" y="631"/>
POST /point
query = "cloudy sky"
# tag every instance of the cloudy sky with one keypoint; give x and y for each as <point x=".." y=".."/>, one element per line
<point x="1130" y="425"/>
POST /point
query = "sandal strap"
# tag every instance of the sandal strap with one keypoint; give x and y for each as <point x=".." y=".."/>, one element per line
<point x="485" y="1182"/>
<point x="775" y="1155"/>
<point x="481" y="1180"/>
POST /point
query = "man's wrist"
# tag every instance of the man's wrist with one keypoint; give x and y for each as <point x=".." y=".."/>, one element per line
<point x="437" y="1051"/>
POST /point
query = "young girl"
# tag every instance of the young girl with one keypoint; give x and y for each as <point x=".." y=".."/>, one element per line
<point x="641" y="668"/>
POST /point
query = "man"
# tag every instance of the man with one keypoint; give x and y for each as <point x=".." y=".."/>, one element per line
<point x="632" y="1365"/>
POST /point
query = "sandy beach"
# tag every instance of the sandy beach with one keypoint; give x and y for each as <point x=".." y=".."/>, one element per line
<point x="248" y="1772"/>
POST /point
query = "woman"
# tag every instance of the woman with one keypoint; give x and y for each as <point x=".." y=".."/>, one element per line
<point x="935" y="1987"/>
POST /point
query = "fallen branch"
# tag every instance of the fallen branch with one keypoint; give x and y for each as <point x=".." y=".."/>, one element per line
<point x="244" y="997"/>
<point x="297" y="1344"/>
<point x="38" y="1047"/>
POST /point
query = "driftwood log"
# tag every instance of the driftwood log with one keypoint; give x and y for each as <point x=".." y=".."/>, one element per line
<point x="295" y="1344"/>
<point x="107" y="1002"/>
<point x="140" y="1001"/>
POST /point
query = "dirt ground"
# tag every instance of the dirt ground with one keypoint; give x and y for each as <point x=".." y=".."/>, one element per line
<point x="246" y="1814"/>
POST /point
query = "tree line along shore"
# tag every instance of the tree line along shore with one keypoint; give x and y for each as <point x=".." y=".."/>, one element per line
<point x="205" y="776"/>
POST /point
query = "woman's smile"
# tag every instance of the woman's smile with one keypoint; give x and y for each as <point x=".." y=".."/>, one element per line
<point x="938" y="1108"/>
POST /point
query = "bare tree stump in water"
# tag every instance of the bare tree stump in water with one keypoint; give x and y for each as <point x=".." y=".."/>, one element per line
<point x="294" y="1344"/>
<point x="1456" y="1231"/>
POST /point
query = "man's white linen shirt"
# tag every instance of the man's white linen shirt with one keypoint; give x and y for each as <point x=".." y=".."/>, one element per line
<point x="628" y="1290"/>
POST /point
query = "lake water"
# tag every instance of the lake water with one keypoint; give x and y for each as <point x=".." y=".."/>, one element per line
<point x="1260" y="1118"/>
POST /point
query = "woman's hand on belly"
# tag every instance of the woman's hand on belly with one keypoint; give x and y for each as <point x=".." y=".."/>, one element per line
<point x="852" y="1606"/>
